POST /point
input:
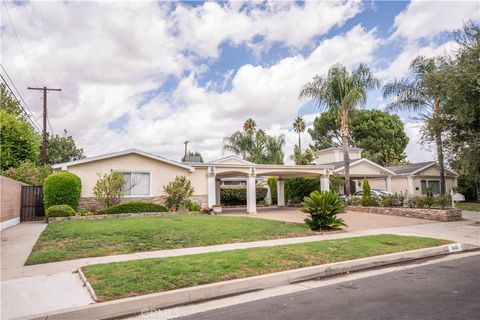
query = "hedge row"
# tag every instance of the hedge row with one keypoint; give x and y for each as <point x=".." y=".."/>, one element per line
<point x="133" y="207"/>
<point x="295" y="189"/>
<point x="238" y="196"/>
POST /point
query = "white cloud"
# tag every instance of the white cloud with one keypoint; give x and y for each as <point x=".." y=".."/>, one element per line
<point x="416" y="152"/>
<point x="429" y="18"/>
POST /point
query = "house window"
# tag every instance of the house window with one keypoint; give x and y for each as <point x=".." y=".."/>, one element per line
<point x="137" y="184"/>
<point x="430" y="186"/>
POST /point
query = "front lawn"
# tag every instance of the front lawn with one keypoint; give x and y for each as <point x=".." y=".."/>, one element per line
<point x="468" y="206"/>
<point x="69" y="240"/>
<point x="132" y="278"/>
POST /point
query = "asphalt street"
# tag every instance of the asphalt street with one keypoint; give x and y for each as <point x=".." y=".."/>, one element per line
<point x="445" y="290"/>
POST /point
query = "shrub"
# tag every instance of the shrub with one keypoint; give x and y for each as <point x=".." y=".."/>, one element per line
<point x="390" y="200"/>
<point x="193" y="206"/>
<point x="366" y="197"/>
<point x="62" y="188"/>
<point x="444" y="201"/>
<point x="59" y="210"/>
<point x="323" y="208"/>
<point x="354" y="201"/>
<point x="28" y="172"/>
<point x="108" y="189"/>
<point x="133" y="207"/>
<point x="298" y="188"/>
<point x="178" y="191"/>
<point x="420" y="202"/>
<point x="238" y="196"/>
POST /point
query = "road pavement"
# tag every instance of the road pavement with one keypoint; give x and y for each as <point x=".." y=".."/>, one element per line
<point x="445" y="290"/>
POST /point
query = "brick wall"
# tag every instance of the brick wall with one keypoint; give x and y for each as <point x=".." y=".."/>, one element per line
<point x="10" y="201"/>
<point x="421" y="213"/>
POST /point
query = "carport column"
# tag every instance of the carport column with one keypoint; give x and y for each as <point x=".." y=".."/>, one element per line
<point x="388" y="183"/>
<point x="280" y="192"/>
<point x="251" y="192"/>
<point x="217" y="191"/>
<point x="211" y="187"/>
<point x="410" y="188"/>
<point x="325" y="183"/>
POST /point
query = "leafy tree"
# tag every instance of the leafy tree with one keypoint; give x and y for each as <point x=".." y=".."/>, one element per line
<point x="299" y="127"/>
<point x="109" y="188"/>
<point x="18" y="141"/>
<point x="459" y="84"/>
<point x="8" y="103"/>
<point x="342" y="91"/>
<point x="63" y="149"/>
<point x="380" y="134"/>
<point x="178" y="192"/>
<point x="419" y="92"/>
<point x="29" y="172"/>
<point x="302" y="157"/>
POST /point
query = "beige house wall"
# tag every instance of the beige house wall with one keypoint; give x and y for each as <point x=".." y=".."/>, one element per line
<point x="364" y="170"/>
<point x="10" y="202"/>
<point x="161" y="173"/>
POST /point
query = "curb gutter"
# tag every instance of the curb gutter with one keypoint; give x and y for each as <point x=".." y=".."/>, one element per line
<point x="167" y="299"/>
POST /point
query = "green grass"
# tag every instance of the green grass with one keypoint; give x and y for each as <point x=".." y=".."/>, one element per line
<point x="468" y="206"/>
<point x="132" y="278"/>
<point x="69" y="240"/>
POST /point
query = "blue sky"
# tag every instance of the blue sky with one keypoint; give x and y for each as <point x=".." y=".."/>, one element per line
<point x="151" y="75"/>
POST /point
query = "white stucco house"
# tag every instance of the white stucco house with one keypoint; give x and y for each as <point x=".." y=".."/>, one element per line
<point x="152" y="172"/>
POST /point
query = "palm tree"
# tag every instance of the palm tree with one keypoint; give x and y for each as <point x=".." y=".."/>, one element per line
<point x="249" y="126"/>
<point x="239" y="143"/>
<point x="419" y="93"/>
<point x="274" y="149"/>
<point x="299" y="127"/>
<point x="341" y="91"/>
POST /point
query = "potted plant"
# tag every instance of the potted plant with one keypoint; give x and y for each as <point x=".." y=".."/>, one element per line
<point x="217" y="209"/>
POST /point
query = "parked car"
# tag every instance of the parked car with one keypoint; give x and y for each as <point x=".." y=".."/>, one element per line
<point x="375" y="192"/>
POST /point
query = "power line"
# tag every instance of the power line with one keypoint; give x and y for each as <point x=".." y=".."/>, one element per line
<point x="20" y="105"/>
<point x="16" y="89"/>
<point x="19" y="42"/>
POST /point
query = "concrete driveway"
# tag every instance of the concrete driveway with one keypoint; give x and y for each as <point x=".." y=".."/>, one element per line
<point x="355" y="221"/>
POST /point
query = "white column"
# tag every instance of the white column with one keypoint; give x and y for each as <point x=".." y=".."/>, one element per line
<point x="388" y="183"/>
<point x="410" y="187"/>
<point x="280" y="192"/>
<point x="325" y="183"/>
<point x="217" y="192"/>
<point x="211" y="187"/>
<point x="251" y="194"/>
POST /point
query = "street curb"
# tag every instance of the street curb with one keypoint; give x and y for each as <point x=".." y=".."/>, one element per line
<point x="168" y="299"/>
<point x="87" y="285"/>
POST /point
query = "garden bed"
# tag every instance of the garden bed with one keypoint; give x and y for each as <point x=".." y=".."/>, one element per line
<point x="67" y="240"/>
<point x="132" y="278"/>
<point x="448" y="214"/>
<point x="107" y="216"/>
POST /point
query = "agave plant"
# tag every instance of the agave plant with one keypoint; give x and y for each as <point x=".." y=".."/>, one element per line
<point x="323" y="208"/>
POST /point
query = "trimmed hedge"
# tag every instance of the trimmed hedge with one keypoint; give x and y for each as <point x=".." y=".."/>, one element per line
<point x="134" y="207"/>
<point x="238" y="196"/>
<point x="60" y="210"/>
<point x="62" y="188"/>
<point x="295" y="189"/>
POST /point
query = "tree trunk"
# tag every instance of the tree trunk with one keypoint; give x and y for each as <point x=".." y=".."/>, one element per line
<point x="477" y="187"/>
<point x="438" y="140"/>
<point x="299" y="143"/>
<point x="346" y="157"/>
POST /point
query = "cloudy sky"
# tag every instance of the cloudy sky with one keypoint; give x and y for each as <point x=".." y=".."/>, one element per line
<point x="150" y="75"/>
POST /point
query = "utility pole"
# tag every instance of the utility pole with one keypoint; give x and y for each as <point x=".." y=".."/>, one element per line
<point x="44" y="130"/>
<point x="185" y="156"/>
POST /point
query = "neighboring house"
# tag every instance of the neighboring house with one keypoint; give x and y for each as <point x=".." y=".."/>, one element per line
<point x="414" y="178"/>
<point x="147" y="174"/>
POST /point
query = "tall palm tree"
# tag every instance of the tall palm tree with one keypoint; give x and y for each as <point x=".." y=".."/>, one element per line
<point x="420" y="93"/>
<point x="249" y="126"/>
<point x="341" y="91"/>
<point x="274" y="149"/>
<point x="299" y="127"/>
<point x="240" y="143"/>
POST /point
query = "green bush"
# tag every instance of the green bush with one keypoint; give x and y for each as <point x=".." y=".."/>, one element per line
<point x="366" y="197"/>
<point x="355" y="201"/>
<point x="108" y="189"/>
<point x="59" y="210"/>
<point x="295" y="189"/>
<point x="238" y="196"/>
<point x="444" y="201"/>
<point x="133" y="207"/>
<point x="390" y="200"/>
<point x="323" y="208"/>
<point x="178" y="192"/>
<point x="193" y="206"/>
<point x="29" y="172"/>
<point x="62" y="188"/>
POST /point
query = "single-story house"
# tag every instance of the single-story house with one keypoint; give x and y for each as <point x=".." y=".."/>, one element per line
<point x="415" y="178"/>
<point x="151" y="173"/>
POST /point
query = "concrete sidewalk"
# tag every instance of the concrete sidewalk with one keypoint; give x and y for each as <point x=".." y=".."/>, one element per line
<point x="460" y="231"/>
<point x="16" y="244"/>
